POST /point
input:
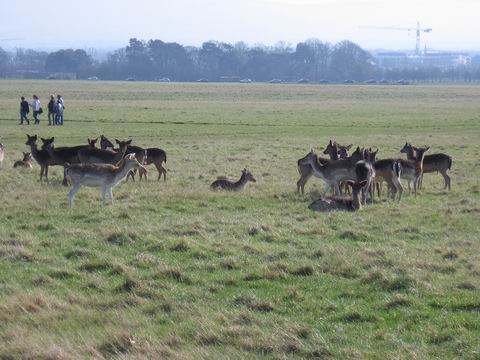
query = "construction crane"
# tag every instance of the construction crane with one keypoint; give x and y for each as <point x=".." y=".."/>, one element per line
<point x="418" y="30"/>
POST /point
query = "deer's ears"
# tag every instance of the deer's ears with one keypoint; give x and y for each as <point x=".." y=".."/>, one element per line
<point x="43" y="140"/>
<point x="24" y="153"/>
<point x="427" y="148"/>
<point x="348" y="147"/>
<point x="350" y="182"/>
<point x="363" y="183"/>
<point x="117" y="141"/>
<point x="129" y="142"/>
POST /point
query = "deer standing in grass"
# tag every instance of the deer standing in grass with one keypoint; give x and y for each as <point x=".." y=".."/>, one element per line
<point x="412" y="170"/>
<point x="334" y="172"/>
<point x="157" y="157"/>
<point x="105" y="144"/>
<point x="388" y="170"/>
<point x="65" y="154"/>
<point x="26" y="162"/>
<point x="40" y="156"/>
<point x="431" y="163"/>
<point x="231" y="185"/>
<point x="365" y="170"/>
<point x="91" y="155"/>
<point x="105" y="176"/>
<point x="341" y="203"/>
<point x="333" y="150"/>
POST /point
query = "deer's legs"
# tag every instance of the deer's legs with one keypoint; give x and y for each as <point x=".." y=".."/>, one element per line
<point x="303" y="180"/>
<point x="398" y="186"/>
<point x="110" y="195"/>
<point x="71" y="194"/>
<point x="446" y="179"/>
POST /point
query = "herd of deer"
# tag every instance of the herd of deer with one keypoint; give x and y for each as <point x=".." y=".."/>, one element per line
<point x="89" y="166"/>
<point x="105" y="167"/>
<point x="364" y="174"/>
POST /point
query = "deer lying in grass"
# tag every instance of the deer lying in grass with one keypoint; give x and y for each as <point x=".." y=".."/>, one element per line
<point x="40" y="156"/>
<point x="26" y="162"/>
<point x="2" y="154"/>
<point x="105" y="176"/>
<point x="62" y="155"/>
<point x="91" y="155"/>
<point x="233" y="186"/>
<point x="341" y="203"/>
<point x="431" y="163"/>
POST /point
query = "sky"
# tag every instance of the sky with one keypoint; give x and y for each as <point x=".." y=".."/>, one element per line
<point x="110" y="23"/>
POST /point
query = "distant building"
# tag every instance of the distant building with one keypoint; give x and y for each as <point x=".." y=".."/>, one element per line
<point x="441" y="60"/>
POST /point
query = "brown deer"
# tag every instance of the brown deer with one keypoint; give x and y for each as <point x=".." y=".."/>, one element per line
<point x="334" y="172"/>
<point x="431" y="163"/>
<point x="157" y="157"/>
<point x="140" y="155"/>
<point x="91" y="155"/>
<point x="388" y="170"/>
<point x="105" y="176"/>
<point x="341" y="203"/>
<point x="62" y="155"/>
<point x="233" y="186"/>
<point x="105" y="144"/>
<point x="365" y="170"/>
<point x="412" y="170"/>
<point x="40" y="156"/>
<point x="26" y="162"/>
<point x="305" y="170"/>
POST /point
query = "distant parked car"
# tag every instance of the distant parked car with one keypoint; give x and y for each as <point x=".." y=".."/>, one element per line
<point x="384" y="82"/>
<point x="302" y="81"/>
<point x="164" y="79"/>
<point x="324" y="81"/>
<point x="202" y="80"/>
<point x="403" y="82"/>
<point x="51" y="77"/>
<point x="371" y="81"/>
<point x="246" y="81"/>
<point x="93" y="78"/>
<point x="130" y="79"/>
<point x="349" y="82"/>
<point x="275" y="81"/>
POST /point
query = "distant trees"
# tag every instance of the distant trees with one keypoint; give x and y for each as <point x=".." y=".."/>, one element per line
<point x="312" y="59"/>
<point x="75" y="61"/>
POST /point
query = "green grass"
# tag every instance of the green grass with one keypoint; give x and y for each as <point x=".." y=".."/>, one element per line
<point x="173" y="269"/>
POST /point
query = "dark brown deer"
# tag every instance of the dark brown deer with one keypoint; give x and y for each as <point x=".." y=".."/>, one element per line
<point x="26" y="162"/>
<point x="412" y="170"/>
<point x="105" y="143"/>
<point x="341" y="203"/>
<point x="157" y="157"/>
<point x="40" y="156"/>
<point x="388" y="170"/>
<point x="231" y="185"/>
<point x="431" y="163"/>
<point x="91" y="155"/>
<point x="62" y="155"/>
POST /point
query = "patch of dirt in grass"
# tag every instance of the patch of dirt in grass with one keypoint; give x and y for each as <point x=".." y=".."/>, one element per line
<point x="466" y="286"/>
<point x="96" y="265"/>
<point x="77" y="253"/>
<point x="180" y="246"/>
<point x="398" y="301"/>
<point x="392" y="283"/>
<point x="119" y="238"/>
<point x="116" y="346"/>
<point x="356" y="317"/>
<point x="305" y="270"/>
<point x="61" y="274"/>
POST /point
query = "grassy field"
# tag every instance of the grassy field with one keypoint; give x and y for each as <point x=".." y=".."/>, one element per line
<point x="175" y="270"/>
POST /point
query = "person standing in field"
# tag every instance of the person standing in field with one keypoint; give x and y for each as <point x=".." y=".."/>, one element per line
<point x="36" y="107"/>
<point x="24" y="110"/>
<point x="51" y="111"/>
<point x="59" y="107"/>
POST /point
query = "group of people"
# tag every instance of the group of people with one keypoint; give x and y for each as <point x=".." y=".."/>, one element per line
<point x="55" y="110"/>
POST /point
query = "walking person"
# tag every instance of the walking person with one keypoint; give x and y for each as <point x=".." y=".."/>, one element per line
<point x="24" y="110"/>
<point x="59" y="107"/>
<point x="51" y="111"/>
<point x="37" y="109"/>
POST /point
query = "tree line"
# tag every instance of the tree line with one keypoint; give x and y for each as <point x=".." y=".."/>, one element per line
<point x="313" y="60"/>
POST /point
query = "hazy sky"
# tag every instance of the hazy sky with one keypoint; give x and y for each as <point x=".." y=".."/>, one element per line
<point x="110" y="23"/>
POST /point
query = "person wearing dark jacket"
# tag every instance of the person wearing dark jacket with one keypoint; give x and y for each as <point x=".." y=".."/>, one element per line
<point x="24" y="110"/>
<point x="51" y="111"/>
